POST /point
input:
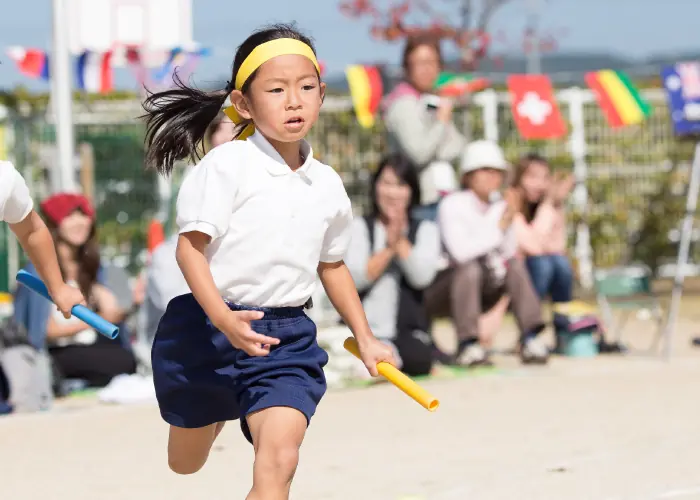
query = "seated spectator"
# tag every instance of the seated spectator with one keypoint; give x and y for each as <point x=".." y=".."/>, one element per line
<point x="477" y="234"/>
<point x="540" y="227"/>
<point x="393" y="257"/>
<point x="77" y="351"/>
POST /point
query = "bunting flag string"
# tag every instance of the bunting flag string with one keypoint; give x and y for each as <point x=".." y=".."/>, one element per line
<point x="94" y="71"/>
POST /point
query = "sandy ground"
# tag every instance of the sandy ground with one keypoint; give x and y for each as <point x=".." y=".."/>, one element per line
<point x="604" y="428"/>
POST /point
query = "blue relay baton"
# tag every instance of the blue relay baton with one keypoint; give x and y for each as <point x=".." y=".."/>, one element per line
<point x="79" y="311"/>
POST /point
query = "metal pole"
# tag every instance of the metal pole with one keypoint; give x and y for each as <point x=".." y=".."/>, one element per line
<point x="64" y="171"/>
<point x="683" y="251"/>
<point x="533" y="57"/>
<point x="578" y="153"/>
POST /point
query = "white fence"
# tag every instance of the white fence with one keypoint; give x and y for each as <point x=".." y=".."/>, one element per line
<point x="625" y="165"/>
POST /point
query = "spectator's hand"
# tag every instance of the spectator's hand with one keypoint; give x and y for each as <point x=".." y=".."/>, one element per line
<point x="513" y="201"/>
<point x="372" y="351"/>
<point x="66" y="297"/>
<point x="564" y="183"/>
<point x="236" y="326"/>
<point x="396" y="226"/>
<point x="444" y="110"/>
<point x="393" y="235"/>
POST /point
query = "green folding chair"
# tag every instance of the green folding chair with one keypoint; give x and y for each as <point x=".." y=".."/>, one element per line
<point x="626" y="290"/>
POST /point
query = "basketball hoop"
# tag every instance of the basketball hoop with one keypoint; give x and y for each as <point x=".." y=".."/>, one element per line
<point x="152" y="27"/>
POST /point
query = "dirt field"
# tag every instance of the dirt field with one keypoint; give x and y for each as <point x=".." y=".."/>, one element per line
<point x="604" y="428"/>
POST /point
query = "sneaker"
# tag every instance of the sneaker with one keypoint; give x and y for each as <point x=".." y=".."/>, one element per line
<point x="473" y="355"/>
<point x="611" y="348"/>
<point x="441" y="358"/>
<point x="534" y="352"/>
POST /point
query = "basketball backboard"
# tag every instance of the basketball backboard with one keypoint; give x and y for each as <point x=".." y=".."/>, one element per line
<point x="154" y="26"/>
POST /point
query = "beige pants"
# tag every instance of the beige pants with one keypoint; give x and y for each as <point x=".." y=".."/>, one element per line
<point x="462" y="293"/>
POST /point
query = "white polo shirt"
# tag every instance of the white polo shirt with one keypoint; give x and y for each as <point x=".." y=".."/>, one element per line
<point x="15" y="202"/>
<point x="270" y="226"/>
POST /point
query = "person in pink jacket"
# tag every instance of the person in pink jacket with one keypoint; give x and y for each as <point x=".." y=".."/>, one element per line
<point x="540" y="227"/>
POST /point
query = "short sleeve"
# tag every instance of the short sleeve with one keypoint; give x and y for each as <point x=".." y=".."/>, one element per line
<point x="207" y="194"/>
<point x="337" y="238"/>
<point x="17" y="202"/>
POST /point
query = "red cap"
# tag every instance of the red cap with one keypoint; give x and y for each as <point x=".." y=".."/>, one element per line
<point x="60" y="206"/>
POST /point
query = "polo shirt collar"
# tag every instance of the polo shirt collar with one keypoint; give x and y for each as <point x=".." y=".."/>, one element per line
<point x="278" y="166"/>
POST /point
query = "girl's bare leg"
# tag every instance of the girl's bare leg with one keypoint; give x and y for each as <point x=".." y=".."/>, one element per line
<point x="277" y="435"/>
<point x="188" y="449"/>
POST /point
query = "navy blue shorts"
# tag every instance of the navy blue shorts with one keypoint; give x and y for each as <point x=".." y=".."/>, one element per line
<point x="201" y="379"/>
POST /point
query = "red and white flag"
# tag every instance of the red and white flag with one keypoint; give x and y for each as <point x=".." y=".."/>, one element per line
<point x="31" y="62"/>
<point x="534" y="108"/>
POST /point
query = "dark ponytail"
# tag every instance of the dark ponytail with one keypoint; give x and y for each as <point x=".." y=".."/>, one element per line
<point x="176" y="122"/>
<point x="177" y="119"/>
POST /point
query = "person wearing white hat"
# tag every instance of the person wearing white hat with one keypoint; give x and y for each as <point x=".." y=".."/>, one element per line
<point x="476" y="229"/>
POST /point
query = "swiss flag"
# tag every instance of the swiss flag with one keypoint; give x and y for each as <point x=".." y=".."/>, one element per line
<point x="534" y="108"/>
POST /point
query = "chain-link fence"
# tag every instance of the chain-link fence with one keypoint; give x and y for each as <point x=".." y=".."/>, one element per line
<point x="630" y="197"/>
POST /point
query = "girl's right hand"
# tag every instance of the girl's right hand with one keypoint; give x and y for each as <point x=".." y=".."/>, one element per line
<point x="236" y="326"/>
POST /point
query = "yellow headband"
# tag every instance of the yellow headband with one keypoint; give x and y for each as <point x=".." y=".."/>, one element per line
<point x="260" y="55"/>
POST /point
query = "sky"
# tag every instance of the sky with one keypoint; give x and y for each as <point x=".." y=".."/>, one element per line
<point x="634" y="28"/>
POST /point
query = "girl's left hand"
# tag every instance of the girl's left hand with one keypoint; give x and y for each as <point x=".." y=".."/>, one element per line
<point x="373" y="351"/>
<point x="567" y="185"/>
<point x="562" y="186"/>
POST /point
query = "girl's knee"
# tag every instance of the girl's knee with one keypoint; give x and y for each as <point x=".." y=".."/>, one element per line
<point x="562" y="269"/>
<point x="188" y="449"/>
<point x="561" y="262"/>
<point x="279" y="462"/>
<point x="184" y="465"/>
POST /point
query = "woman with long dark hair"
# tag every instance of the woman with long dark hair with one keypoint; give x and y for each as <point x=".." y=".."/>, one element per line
<point x="393" y="257"/>
<point x="540" y="227"/>
<point x="77" y="350"/>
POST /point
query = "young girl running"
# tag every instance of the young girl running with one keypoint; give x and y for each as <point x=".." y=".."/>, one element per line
<point x="17" y="209"/>
<point x="259" y="219"/>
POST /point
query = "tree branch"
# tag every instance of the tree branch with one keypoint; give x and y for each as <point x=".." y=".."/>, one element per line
<point x="490" y="8"/>
<point x="458" y="26"/>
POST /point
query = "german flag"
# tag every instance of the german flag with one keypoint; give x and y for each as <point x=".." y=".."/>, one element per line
<point x="366" y="89"/>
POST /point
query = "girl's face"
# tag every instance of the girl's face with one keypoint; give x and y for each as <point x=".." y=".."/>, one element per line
<point x="393" y="194"/>
<point x="535" y="181"/>
<point x="485" y="181"/>
<point x="423" y="68"/>
<point x="223" y="133"/>
<point x="75" y="229"/>
<point x="284" y="98"/>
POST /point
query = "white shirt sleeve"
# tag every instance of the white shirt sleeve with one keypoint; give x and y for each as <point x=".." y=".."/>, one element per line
<point x="15" y="201"/>
<point x="337" y="238"/>
<point x="207" y="194"/>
